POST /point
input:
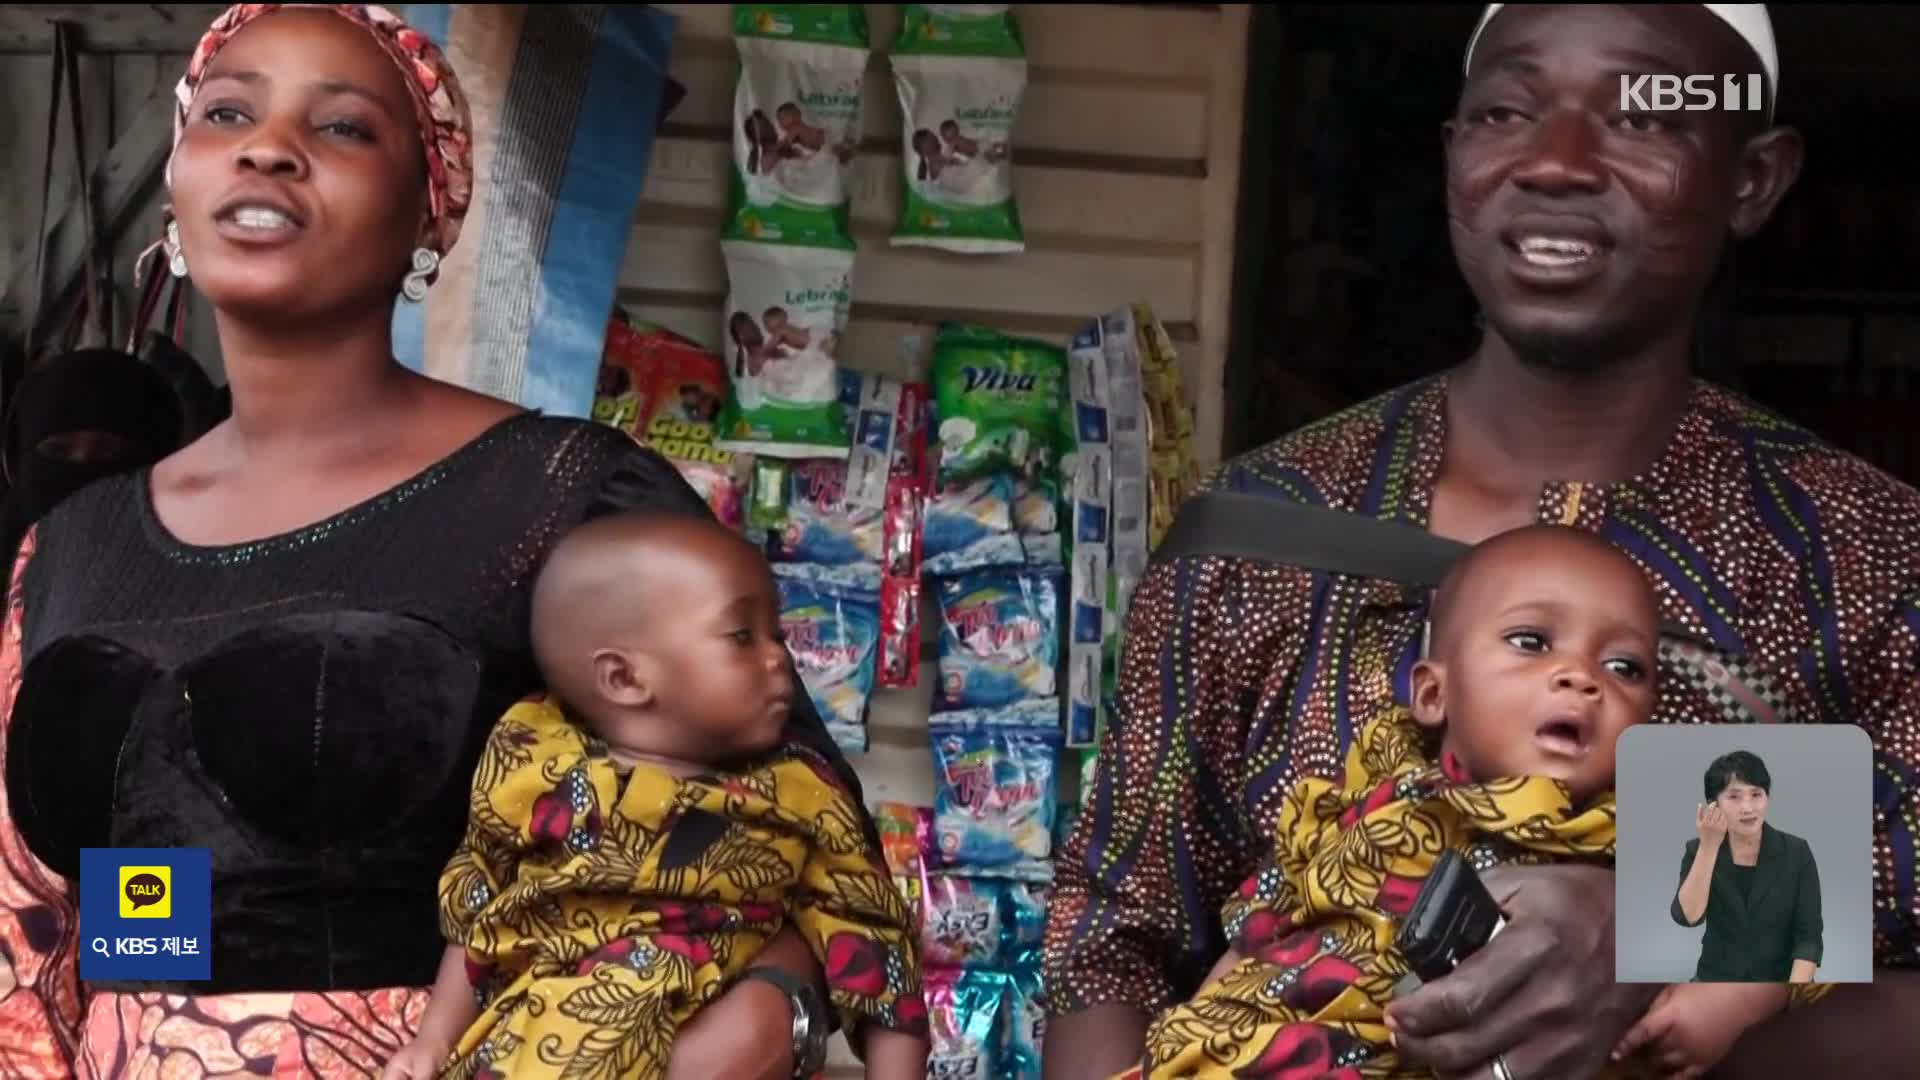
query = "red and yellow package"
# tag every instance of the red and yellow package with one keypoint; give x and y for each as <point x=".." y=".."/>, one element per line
<point x="620" y="399"/>
<point x="666" y="391"/>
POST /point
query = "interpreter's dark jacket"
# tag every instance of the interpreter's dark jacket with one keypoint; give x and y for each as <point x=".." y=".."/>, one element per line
<point x="1757" y="936"/>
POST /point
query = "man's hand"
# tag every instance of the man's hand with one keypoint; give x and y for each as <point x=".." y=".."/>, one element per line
<point x="1691" y="1026"/>
<point x="1541" y="993"/>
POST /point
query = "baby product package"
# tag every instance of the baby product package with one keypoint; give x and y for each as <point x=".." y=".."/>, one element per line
<point x="786" y="309"/>
<point x="831" y="618"/>
<point x="796" y="121"/>
<point x="960" y="71"/>
<point x="667" y="392"/>
<point x="997" y="404"/>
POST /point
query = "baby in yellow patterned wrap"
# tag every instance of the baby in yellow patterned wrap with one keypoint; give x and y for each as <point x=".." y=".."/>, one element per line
<point x="637" y="836"/>
<point x="1542" y="651"/>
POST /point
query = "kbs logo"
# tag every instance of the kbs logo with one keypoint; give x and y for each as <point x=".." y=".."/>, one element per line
<point x="1691" y="93"/>
<point x="146" y="892"/>
<point x="146" y="914"/>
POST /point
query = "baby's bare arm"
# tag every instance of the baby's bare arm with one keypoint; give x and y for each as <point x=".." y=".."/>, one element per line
<point x="450" y="1011"/>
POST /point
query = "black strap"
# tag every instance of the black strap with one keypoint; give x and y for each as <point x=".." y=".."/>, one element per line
<point x="1241" y="526"/>
<point x="96" y="273"/>
<point x="1236" y="525"/>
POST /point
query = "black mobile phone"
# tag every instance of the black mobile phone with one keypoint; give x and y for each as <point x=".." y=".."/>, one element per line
<point x="1453" y="917"/>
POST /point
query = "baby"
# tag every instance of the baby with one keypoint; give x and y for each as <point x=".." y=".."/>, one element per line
<point x="798" y="137"/>
<point x="638" y="835"/>
<point x="1542" y="651"/>
<point x="783" y="337"/>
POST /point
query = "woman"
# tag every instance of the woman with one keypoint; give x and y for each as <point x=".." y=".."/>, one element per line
<point x="316" y="611"/>
<point x="1757" y="888"/>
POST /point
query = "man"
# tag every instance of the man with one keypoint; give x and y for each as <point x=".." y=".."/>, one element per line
<point x="1588" y="235"/>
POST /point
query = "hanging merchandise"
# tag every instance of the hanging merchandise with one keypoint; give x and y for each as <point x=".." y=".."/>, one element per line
<point x="1024" y="1022"/>
<point x="908" y="479"/>
<point x="786" y="310"/>
<point x="1128" y="434"/>
<point x="981" y="922"/>
<point x="964" y="1007"/>
<point x="906" y="836"/>
<point x="796" y="121"/>
<point x="1173" y="471"/>
<point x="831" y="619"/>
<point x="996" y="403"/>
<point x="820" y="525"/>
<point x="969" y="526"/>
<point x="1092" y="496"/>
<point x="960" y="71"/>
<point x="999" y="638"/>
<point x="666" y="392"/>
<point x="994" y="786"/>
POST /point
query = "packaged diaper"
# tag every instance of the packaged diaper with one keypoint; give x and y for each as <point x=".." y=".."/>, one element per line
<point x="999" y="637"/>
<point x="997" y="403"/>
<point x="667" y="392"/>
<point x="832" y="623"/>
<point x="960" y="71"/>
<point x="786" y="309"/>
<point x="796" y="121"/>
<point x="994" y="784"/>
<point x="622" y="397"/>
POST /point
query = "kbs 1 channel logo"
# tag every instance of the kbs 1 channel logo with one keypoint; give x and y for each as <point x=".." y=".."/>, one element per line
<point x="1692" y="93"/>
<point x="146" y="914"/>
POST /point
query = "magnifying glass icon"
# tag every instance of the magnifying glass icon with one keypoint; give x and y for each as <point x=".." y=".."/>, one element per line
<point x="100" y="946"/>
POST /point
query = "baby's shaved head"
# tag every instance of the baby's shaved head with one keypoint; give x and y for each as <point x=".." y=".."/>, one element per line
<point x="1457" y="590"/>
<point x="615" y="580"/>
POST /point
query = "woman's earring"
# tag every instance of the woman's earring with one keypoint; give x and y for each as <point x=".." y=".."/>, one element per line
<point x="176" y="259"/>
<point x="425" y="262"/>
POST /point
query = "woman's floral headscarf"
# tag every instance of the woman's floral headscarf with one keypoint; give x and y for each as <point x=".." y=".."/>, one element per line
<point x="446" y="128"/>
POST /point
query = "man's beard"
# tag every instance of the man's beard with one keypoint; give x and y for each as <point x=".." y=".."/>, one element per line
<point x="1563" y="352"/>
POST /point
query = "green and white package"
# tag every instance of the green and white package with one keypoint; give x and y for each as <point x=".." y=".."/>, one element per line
<point x="960" y="70"/>
<point x="996" y="403"/>
<point x="781" y="331"/>
<point x="796" y="121"/>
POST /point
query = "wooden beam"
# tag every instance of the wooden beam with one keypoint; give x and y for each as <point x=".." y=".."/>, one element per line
<point x="120" y="185"/>
<point x="138" y="28"/>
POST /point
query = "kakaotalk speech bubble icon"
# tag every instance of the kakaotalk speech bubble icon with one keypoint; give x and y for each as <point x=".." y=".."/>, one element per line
<point x="144" y="890"/>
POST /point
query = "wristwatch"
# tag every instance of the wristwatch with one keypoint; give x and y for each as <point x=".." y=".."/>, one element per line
<point x="809" y="1019"/>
